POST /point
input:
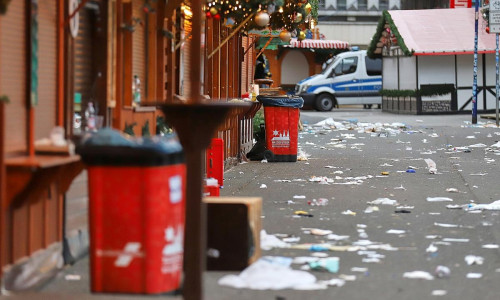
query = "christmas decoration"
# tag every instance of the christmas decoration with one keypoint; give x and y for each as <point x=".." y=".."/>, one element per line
<point x="285" y="36"/>
<point x="262" y="19"/>
<point x="213" y="11"/>
<point x="282" y="13"/>
<point x="485" y="12"/>
<point x="302" y="36"/>
<point x="308" y="8"/>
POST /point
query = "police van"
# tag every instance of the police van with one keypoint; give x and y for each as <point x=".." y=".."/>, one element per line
<point x="351" y="78"/>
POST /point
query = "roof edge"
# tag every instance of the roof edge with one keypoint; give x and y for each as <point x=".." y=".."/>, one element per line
<point x="386" y="18"/>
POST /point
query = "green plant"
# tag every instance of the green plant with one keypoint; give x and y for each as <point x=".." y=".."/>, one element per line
<point x="436" y="89"/>
<point x="398" y="93"/>
<point x="162" y="127"/>
<point x="257" y="120"/>
<point x="425" y="90"/>
<point x="129" y="128"/>
<point x="3" y="6"/>
<point x="4" y="98"/>
<point x="145" y="129"/>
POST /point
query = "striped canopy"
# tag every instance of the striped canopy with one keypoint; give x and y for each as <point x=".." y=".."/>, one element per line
<point x="318" y="44"/>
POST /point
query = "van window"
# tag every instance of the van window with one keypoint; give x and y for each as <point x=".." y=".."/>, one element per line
<point x="347" y="66"/>
<point x="373" y="66"/>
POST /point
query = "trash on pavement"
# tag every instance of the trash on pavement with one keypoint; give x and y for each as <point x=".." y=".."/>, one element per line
<point x="302" y="213"/>
<point x="492" y="206"/>
<point x="349" y="212"/>
<point x="456" y="240"/>
<point x="371" y="209"/>
<point x="442" y="272"/>
<point x="402" y="211"/>
<point x="452" y="190"/>
<point x="445" y="225"/>
<point x="336" y="237"/>
<point x="418" y="275"/>
<point x="490" y="246"/>
<point x="267" y="274"/>
<point x="474" y="275"/>
<point x="334" y="282"/>
<point x="263" y="186"/>
<point x="269" y="241"/>
<point x="384" y="201"/>
<point x="318" y="202"/>
<point x="431" y="165"/>
<point x="474" y="260"/>
<point x="439" y="292"/>
<point x="432" y="248"/>
<point x="316" y="231"/>
<point x="438" y="199"/>
<point x="330" y="264"/>
<point x="72" y="277"/>
<point x="395" y="231"/>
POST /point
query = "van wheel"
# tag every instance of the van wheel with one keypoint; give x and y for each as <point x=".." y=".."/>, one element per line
<point x="325" y="102"/>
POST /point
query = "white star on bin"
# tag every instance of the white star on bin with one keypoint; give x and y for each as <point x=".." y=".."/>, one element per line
<point x="276" y="132"/>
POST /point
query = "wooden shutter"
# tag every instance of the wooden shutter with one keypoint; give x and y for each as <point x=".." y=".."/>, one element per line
<point x="83" y="62"/>
<point x="45" y="111"/>
<point x="186" y="59"/>
<point x="139" y="46"/>
<point x="13" y="75"/>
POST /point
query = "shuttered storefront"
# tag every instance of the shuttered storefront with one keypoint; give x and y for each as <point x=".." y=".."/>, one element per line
<point x="13" y="75"/>
<point x="139" y="45"/>
<point x="83" y="63"/>
<point x="45" y="111"/>
<point x="186" y="59"/>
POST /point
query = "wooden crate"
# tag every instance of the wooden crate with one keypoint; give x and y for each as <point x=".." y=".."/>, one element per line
<point x="233" y="232"/>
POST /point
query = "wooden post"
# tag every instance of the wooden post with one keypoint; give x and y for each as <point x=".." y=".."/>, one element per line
<point x="3" y="194"/>
<point x="195" y="55"/>
<point x="60" y="63"/>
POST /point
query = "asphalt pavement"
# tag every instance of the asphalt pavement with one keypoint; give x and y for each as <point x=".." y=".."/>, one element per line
<point x="361" y="156"/>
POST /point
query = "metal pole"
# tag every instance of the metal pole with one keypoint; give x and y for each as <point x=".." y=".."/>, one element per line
<point x="497" y="81"/>
<point x="474" y="83"/>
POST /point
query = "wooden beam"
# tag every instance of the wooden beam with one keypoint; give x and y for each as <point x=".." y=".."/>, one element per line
<point x="237" y="29"/>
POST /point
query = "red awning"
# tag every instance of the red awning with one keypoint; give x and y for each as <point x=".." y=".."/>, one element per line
<point x="318" y="44"/>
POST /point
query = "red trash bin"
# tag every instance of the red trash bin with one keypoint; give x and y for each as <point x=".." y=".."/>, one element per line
<point x="281" y="119"/>
<point x="136" y="218"/>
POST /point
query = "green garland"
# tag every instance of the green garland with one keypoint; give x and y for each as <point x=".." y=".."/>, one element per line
<point x="387" y="19"/>
<point x="398" y="93"/>
<point x="425" y="90"/>
<point x="314" y="9"/>
<point x="370" y="52"/>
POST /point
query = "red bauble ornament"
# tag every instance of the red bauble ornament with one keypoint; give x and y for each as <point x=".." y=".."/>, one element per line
<point x="487" y="29"/>
<point x="217" y="17"/>
<point x="208" y="14"/>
